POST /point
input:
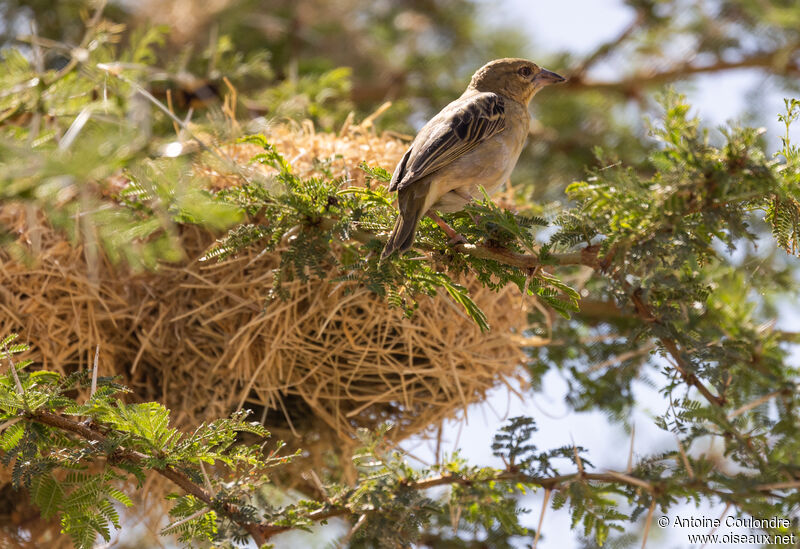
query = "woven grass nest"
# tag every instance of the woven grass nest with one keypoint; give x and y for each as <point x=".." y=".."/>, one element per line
<point x="198" y="337"/>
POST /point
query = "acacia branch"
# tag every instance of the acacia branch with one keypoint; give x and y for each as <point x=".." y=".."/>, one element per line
<point x="607" y="48"/>
<point x="554" y="483"/>
<point x="550" y="483"/>
<point x="261" y="532"/>
<point x="587" y="256"/>
<point x="781" y="59"/>
<point x="646" y="314"/>
<point x="600" y="309"/>
<point x="132" y="456"/>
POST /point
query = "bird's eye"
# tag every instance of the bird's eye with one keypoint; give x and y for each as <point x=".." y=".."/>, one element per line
<point x="525" y="72"/>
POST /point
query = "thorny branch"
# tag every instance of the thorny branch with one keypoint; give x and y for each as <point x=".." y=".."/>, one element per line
<point x="92" y="433"/>
<point x="554" y="483"/>
<point x="587" y="256"/>
<point x="633" y="84"/>
<point x="263" y="531"/>
<point x="645" y="314"/>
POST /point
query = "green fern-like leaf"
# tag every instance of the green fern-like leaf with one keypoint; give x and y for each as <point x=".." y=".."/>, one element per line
<point x="48" y="495"/>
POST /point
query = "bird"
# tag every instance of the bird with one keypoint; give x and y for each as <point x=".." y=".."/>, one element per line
<point x="474" y="141"/>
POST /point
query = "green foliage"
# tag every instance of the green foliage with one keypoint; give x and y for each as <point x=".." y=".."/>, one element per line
<point x="79" y="478"/>
<point x="513" y="445"/>
<point x="783" y="213"/>
<point x="203" y="523"/>
<point x="83" y="139"/>
<point x="486" y="223"/>
<point x="323" y="98"/>
<point x="391" y="497"/>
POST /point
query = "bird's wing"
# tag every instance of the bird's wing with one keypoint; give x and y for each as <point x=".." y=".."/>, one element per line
<point x="459" y="128"/>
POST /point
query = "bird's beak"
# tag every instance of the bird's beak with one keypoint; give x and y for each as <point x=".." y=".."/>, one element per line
<point x="545" y="78"/>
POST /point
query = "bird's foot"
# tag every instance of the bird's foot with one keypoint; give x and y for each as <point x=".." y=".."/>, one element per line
<point x="455" y="238"/>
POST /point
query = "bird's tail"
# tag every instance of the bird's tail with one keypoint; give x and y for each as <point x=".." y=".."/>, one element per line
<point x="410" y="203"/>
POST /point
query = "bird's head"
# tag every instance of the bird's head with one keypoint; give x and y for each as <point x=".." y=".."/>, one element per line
<point x="517" y="79"/>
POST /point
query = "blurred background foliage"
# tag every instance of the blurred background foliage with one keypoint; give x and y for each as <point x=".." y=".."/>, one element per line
<point x="321" y="59"/>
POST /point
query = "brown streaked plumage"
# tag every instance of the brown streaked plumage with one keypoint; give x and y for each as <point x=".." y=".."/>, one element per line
<point x="474" y="141"/>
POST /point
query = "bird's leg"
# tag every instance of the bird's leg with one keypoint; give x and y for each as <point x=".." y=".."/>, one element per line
<point x="508" y="194"/>
<point x="455" y="238"/>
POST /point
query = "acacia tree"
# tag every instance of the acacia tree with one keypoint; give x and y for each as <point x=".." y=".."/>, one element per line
<point x="662" y="231"/>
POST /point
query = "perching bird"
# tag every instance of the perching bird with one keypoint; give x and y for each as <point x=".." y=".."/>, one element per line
<point x="474" y="141"/>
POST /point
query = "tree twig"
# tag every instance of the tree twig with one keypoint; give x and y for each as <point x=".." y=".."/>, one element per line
<point x="177" y="477"/>
<point x="263" y="531"/>
<point x="757" y="402"/>
<point x="605" y="49"/>
<point x="633" y="84"/>
<point x="13" y="368"/>
<point x="684" y="369"/>
<point x="588" y="256"/>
